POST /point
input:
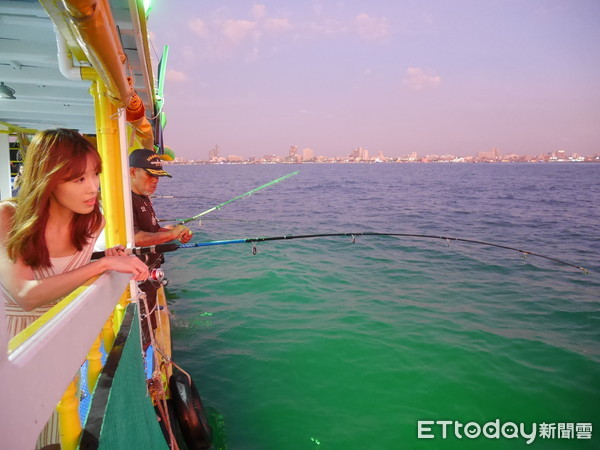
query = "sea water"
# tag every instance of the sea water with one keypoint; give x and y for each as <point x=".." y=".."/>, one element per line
<point x="383" y="342"/>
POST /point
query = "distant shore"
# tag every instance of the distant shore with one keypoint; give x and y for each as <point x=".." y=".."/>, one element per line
<point x="323" y="160"/>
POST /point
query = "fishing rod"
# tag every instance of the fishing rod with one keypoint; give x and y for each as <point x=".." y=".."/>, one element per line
<point x="169" y="247"/>
<point x="222" y="219"/>
<point x="220" y="205"/>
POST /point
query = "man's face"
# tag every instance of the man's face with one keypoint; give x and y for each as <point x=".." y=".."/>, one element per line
<point x="142" y="182"/>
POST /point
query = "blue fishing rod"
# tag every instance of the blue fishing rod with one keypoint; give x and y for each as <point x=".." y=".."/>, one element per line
<point x="169" y="247"/>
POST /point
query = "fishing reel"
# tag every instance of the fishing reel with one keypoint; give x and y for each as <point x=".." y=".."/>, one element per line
<point x="157" y="277"/>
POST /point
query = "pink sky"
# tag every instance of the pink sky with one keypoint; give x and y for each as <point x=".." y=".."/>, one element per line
<point x="432" y="77"/>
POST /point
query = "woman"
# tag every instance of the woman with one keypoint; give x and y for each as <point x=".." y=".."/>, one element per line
<point x="48" y="232"/>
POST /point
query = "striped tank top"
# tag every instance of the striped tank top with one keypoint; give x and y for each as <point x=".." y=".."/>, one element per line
<point x="18" y="319"/>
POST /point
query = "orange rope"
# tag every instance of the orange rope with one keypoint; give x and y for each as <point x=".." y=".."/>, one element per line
<point x="135" y="109"/>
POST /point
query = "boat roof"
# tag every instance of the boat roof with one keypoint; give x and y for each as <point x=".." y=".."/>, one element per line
<point x="29" y="65"/>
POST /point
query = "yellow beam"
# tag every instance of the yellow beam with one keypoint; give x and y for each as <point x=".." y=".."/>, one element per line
<point x="16" y="129"/>
<point x="111" y="178"/>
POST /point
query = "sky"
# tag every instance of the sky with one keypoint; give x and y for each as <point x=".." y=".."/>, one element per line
<point x="393" y="76"/>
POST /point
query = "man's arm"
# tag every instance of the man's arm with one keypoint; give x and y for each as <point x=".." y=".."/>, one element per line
<point x="146" y="238"/>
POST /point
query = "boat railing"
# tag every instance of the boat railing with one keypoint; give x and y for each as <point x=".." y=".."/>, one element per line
<point x="41" y="365"/>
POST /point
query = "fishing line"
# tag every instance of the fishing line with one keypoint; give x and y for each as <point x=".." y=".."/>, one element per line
<point x="173" y="196"/>
<point x="220" y="205"/>
<point x="169" y="247"/>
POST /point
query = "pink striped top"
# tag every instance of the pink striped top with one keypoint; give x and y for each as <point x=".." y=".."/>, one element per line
<point x="18" y="319"/>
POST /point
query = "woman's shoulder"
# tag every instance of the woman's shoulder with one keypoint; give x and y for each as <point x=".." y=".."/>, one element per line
<point x="4" y="204"/>
<point x="7" y="213"/>
<point x="7" y="210"/>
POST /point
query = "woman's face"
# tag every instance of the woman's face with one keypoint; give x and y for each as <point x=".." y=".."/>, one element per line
<point x="80" y="194"/>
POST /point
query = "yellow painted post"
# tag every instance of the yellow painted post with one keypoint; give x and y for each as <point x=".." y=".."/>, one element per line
<point x="111" y="178"/>
<point x="94" y="364"/>
<point x="108" y="334"/>
<point x="69" y="424"/>
<point x="119" y="313"/>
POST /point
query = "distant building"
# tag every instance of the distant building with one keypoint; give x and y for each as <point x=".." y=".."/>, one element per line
<point x="293" y="155"/>
<point x="492" y="155"/>
<point x="359" y="154"/>
<point x="234" y="158"/>
<point x="308" y="154"/>
<point x="213" y="154"/>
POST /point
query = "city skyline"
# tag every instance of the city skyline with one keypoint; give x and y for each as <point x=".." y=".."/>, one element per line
<point x="393" y="77"/>
<point x="360" y="154"/>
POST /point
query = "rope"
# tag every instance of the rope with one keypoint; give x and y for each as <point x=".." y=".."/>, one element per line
<point x="156" y="388"/>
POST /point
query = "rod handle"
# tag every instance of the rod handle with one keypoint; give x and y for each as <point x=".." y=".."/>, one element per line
<point x="138" y="251"/>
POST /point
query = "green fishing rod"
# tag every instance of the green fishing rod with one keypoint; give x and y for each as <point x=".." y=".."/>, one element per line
<point x="169" y="247"/>
<point x="220" y="205"/>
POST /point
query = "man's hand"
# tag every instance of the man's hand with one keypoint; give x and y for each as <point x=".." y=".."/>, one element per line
<point x="186" y="236"/>
<point x="182" y="233"/>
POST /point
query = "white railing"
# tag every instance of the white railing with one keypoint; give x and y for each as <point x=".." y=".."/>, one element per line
<point x="34" y="376"/>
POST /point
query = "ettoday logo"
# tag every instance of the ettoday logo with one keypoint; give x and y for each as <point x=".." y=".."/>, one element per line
<point x="431" y="429"/>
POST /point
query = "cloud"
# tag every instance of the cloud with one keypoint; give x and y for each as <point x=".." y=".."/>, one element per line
<point x="329" y="27"/>
<point x="223" y="36"/>
<point x="198" y="27"/>
<point x="238" y="30"/>
<point x="277" y="25"/>
<point x="176" y="75"/>
<point x="259" y="11"/>
<point x="372" y="28"/>
<point x="417" y="79"/>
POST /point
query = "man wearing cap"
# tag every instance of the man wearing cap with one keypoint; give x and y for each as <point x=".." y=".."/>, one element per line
<point x="145" y="168"/>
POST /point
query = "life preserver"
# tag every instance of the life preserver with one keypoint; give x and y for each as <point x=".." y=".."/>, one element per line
<point x="189" y="411"/>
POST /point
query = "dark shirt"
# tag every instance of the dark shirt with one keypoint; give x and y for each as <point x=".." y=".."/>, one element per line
<point x="144" y="219"/>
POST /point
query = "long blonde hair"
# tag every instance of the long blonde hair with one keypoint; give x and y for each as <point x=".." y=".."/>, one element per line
<point x="53" y="157"/>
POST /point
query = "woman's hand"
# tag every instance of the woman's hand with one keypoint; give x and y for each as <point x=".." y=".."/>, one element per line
<point x="127" y="264"/>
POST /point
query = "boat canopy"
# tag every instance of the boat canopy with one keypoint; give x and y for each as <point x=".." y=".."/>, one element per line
<point x="47" y="47"/>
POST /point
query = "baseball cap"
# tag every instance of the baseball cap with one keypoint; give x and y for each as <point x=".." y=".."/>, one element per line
<point x="149" y="161"/>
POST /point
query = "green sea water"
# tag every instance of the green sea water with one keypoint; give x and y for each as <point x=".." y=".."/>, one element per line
<point x="329" y="344"/>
